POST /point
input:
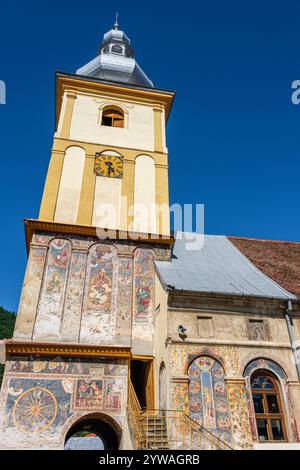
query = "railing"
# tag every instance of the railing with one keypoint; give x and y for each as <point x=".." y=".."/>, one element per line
<point x="170" y="429"/>
<point x="134" y="417"/>
<point x="181" y="431"/>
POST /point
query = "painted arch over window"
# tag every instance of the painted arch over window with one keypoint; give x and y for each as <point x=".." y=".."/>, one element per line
<point x="270" y="407"/>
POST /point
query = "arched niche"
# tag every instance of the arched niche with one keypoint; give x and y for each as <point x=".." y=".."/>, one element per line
<point x="70" y="185"/>
<point x="208" y="396"/>
<point x="144" y="210"/>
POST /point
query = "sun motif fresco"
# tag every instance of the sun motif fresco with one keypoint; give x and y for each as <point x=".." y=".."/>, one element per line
<point x="35" y="410"/>
<point x="208" y="398"/>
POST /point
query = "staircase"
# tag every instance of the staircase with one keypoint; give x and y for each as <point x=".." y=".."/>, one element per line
<point x="155" y="429"/>
<point x="168" y="429"/>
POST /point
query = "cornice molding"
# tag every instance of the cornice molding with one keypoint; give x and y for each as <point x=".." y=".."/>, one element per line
<point x="65" y="349"/>
<point x="35" y="225"/>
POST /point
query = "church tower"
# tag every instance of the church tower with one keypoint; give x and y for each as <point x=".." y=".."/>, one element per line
<point x="84" y="333"/>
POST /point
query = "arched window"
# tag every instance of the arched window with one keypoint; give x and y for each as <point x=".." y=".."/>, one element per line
<point x="268" y="407"/>
<point x="112" y="118"/>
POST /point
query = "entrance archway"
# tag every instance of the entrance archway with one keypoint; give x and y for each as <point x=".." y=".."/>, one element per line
<point x="92" y="433"/>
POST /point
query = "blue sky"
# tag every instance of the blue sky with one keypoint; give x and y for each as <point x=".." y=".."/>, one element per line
<point x="233" y="135"/>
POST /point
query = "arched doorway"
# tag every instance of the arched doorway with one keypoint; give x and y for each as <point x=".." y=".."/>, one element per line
<point x="162" y="387"/>
<point x="92" y="433"/>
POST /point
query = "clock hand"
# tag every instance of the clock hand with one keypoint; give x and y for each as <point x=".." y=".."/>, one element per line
<point x="110" y="168"/>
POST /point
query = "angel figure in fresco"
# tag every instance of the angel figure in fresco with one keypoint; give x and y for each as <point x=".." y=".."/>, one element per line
<point x="55" y="283"/>
<point x="100" y="288"/>
<point x="60" y="253"/>
<point x="143" y="294"/>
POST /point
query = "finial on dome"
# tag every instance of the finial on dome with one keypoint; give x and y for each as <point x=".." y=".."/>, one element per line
<point x="116" y="25"/>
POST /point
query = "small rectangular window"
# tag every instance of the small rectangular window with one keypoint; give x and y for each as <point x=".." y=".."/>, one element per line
<point x="205" y="327"/>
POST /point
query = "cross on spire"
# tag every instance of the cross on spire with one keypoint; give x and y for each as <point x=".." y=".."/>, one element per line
<point x="116" y="25"/>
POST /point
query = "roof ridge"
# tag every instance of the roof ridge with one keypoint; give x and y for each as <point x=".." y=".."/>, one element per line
<point x="236" y="237"/>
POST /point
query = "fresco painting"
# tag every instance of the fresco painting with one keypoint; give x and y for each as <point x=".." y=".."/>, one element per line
<point x="74" y="295"/>
<point x="89" y="394"/>
<point x="124" y="295"/>
<point x="43" y="395"/>
<point x="50" y="307"/>
<point x="35" y="405"/>
<point x="208" y="397"/>
<point x="100" y="296"/>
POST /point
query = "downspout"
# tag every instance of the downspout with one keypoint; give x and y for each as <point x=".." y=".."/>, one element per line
<point x="289" y="323"/>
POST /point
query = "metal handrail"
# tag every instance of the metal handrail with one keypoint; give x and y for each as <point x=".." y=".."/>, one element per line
<point x="134" y="418"/>
<point x="173" y="415"/>
<point x="179" y="430"/>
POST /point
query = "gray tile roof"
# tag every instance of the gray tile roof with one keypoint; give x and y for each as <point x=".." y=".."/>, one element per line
<point x="217" y="267"/>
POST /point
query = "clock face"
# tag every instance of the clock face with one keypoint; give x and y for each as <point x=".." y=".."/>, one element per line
<point x="109" y="165"/>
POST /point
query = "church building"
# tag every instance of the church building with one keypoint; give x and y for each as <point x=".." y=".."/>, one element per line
<point x="125" y="338"/>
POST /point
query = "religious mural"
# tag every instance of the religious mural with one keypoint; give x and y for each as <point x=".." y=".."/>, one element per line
<point x="89" y="287"/>
<point x="106" y="395"/>
<point x="50" y="308"/>
<point x="74" y="296"/>
<point x="208" y="396"/>
<point x="43" y="394"/>
<point x="99" y="299"/>
<point x="35" y="405"/>
<point x="144" y="282"/>
<point x="123" y="317"/>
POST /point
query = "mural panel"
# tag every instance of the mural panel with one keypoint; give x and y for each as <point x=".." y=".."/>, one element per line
<point x="239" y="414"/>
<point x="74" y="295"/>
<point x="208" y="397"/>
<point x="180" y="396"/>
<point x="50" y="308"/>
<point x="36" y="405"/>
<point x="143" y="294"/>
<point x="42" y="395"/>
<point x="124" y="296"/>
<point x="98" y="318"/>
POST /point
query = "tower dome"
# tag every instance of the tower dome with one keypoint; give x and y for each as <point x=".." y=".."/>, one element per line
<point x="115" y="61"/>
